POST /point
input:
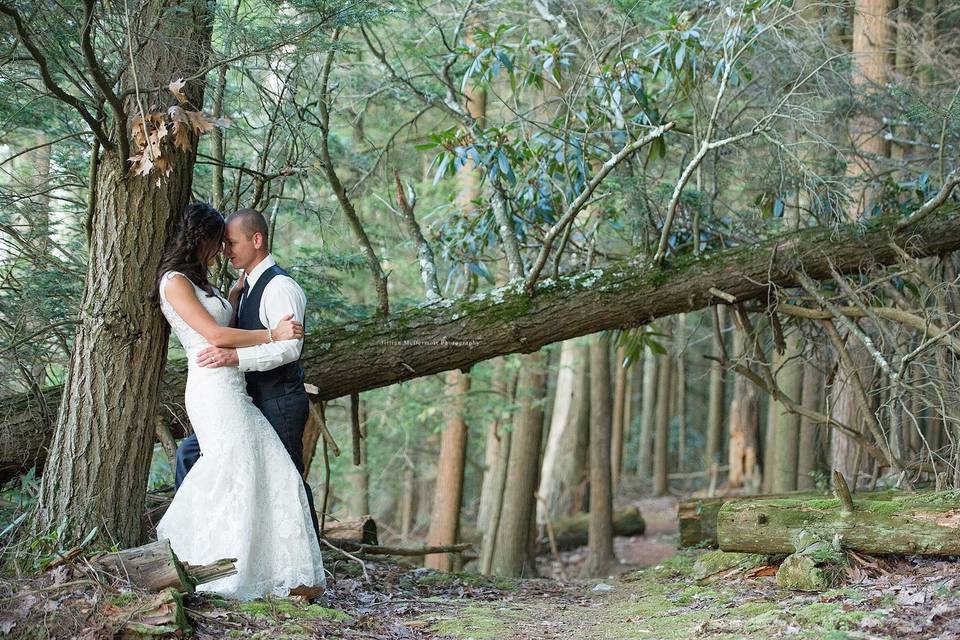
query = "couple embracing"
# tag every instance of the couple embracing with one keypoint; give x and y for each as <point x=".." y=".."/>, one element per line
<point x="240" y="488"/>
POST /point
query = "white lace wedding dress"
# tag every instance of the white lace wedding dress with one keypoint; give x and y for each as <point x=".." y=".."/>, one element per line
<point x="243" y="498"/>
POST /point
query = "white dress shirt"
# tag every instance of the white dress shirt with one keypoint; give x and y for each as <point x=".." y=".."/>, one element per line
<point x="281" y="296"/>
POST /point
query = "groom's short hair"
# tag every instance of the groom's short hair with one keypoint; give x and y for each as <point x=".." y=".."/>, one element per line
<point x="252" y="222"/>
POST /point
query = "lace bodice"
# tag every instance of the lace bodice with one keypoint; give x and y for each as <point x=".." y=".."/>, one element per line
<point x="216" y="305"/>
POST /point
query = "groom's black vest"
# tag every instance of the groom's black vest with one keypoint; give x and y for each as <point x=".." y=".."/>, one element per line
<point x="287" y="378"/>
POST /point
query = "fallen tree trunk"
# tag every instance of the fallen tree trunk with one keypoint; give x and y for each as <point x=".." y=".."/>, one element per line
<point x="698" y="516"/>
<point x="571" y="532"/>
<point x="456" y="334"/>
<point x="924" y="524"/>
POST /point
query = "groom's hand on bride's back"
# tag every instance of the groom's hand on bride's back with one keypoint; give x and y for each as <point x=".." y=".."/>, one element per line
<point x="218" y="357"/>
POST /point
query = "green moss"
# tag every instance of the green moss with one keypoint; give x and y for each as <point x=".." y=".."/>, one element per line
<point x="122" y="599"/>
<point x="714" y="562"/>
<point x="285" y="608"/>
<point x="473" y="622"/>
<point x="679" y="565"/>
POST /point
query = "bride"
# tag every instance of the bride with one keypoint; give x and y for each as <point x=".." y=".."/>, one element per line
<point x="243" y="498"/>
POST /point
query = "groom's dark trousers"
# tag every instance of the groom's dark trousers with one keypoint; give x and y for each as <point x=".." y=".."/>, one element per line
<point x="278" y="393"/>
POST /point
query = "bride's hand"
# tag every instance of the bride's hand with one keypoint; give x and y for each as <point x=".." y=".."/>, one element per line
<point x="287" y="329"/>
<point x="234" y="294"/>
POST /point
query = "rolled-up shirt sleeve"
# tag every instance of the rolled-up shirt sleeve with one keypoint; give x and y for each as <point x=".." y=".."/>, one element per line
<point x="281" y="296"/>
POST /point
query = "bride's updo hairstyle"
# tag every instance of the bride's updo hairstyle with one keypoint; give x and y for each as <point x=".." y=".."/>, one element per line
<point x="197" y="237"/>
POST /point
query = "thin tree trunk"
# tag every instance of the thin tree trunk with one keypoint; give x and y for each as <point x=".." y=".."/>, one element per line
<point x="498" y="475"/>
<point x="786" y="426"/>
<point x="872" y="45"/>
<point x="96" y="475"/>
<point x="619" y="416"/>
<point x="744" y="421"/>
<point x="807" y="448"/>
<point x="358" y="477"/>
<point x="600" y="535"/>
<point x="511" y="553"/>
<point x="661" y="441"/>
<point x="716" y="398"/>
<point x="681" y="390"/>
<point x="648" y="408"/>
<point x="448" y="491"/>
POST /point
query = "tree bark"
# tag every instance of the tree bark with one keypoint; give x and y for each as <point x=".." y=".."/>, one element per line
<point x="357" y="356"/>
<point x="448" y="492"/>
<point x="601" y="557"/>
<point x="510" y="556"/>
<point x="97" y="472"/>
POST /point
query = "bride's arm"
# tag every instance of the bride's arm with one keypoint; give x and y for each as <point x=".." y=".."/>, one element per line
<point x="182" y="297"/>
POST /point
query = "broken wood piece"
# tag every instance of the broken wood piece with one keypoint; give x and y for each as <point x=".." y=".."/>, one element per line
<point x="161" y="615"/>
<point x="842" y="491"/>
<point x="153" y="566"/>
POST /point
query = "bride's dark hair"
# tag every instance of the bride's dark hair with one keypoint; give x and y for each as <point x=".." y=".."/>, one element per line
<point x="199" y="232"/>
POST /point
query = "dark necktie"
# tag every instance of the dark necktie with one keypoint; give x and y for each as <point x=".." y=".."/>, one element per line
<point x="243" y="296"/>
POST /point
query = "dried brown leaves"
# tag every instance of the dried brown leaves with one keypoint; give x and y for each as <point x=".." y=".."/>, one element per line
<point x="159" y="134"/>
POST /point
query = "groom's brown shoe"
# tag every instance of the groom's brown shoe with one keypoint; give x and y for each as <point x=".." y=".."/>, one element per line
<point x="307" y="592"/>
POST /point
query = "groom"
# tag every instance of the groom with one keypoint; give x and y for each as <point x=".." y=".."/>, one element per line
<point x="272" y="371"/>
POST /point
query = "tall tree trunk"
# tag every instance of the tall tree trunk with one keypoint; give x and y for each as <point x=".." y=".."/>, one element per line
<point x="600" y="530"/>
<point x="448" y="491"/>
<point x="565" y="454"/>
<point x="744" y="426"/>
<point x="680" y="339"/>
<point x="716" y="398"/>
<point x="786" y="426"/>
<point x="661" y="441"/>
<point x="495" y="479"/>
<point x="619" y="416"/>
<point x="358" y="476"/>
<point x="96" y="474"/>
<point x="843" y="451"/>
<point x="807" y="448"/>
<point x="648" y="413"/>
<point x="872" y="46"/>
<point x="510" y="557"/>
<point x="407" y="502"/>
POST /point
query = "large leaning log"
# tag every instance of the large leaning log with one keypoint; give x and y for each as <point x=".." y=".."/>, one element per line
<point x="456" y="334"/>
<point x="924" y="524"/>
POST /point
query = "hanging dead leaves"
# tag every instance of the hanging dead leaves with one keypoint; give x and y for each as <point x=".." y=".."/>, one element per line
<point x="158" y="133"/>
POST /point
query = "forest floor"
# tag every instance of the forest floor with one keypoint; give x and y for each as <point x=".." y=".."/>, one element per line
<point x="654" y="595"/>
